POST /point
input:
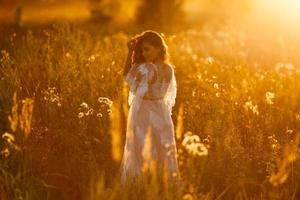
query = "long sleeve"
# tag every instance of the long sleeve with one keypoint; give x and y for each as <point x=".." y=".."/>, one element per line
<point x="171" y="92"/>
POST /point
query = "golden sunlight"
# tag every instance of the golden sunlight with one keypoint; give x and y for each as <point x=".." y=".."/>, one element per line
<point x="149" y="99"/>
<point x="281" y="12"/>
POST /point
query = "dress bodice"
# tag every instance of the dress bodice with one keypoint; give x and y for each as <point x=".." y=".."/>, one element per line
<point x="156" y="90"/>
<point x="150" y="120"/>
<point x="150" y="86"/>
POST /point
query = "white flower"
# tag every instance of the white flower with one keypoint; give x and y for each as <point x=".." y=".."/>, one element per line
<point x="91" y="58"/>
<point x="8" y="137"/>
<point x="80" y="115"/>
<point x="105" y="100"/>
<point x="249" y="106"/>
<point x="269" y="97"/>
<point x="193" y="145"/>
<point x="216" y="85"/>
<point x="84" y="105"/>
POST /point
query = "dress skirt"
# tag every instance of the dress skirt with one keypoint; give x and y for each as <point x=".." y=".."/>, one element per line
<point x="149" y="140"/>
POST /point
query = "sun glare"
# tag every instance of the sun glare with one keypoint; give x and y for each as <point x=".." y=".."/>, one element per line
<point x="284" y="11"/>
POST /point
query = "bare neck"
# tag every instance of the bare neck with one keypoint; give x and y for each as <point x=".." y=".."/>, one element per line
<point x="158" y="62"/>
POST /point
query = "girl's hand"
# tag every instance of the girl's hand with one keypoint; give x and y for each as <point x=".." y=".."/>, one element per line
<point x="138" y="76"/>
<point x="131" y="44"/>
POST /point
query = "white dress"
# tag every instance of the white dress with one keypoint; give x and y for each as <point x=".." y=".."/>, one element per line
<point x="150" y="107"/>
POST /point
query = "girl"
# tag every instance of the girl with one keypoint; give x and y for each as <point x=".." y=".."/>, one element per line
<point x="152" y="93"/>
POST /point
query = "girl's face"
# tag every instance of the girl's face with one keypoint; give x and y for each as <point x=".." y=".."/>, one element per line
<point x="150" y="52"/>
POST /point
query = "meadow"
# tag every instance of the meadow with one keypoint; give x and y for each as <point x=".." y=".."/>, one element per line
<point x="64" y="108"/>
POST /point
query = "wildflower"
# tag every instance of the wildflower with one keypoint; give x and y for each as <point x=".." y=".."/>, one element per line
<point x="216" y="85"/>
<point x="190" y="138"/>
<point x="84" y="105"/>
<point x="105" y="100"/>
<point x="269" y="97"/>
<point x="52" y="96"/>
<point x="105" y="106"/>
<point x="91" y="58"/>
<point x="193" y="93"/>
<point x="10" y="141"/>
<point x="85" y="110"/>
<point x="8" y="137"/>
<point x="199" y="77"/>
<point x="193" y="145"/>
<point x="5" y="152"/>
<point x="249" y="106"/>
<point x="273" y="141"/>
<point x="206" y="140"/>
<point x="289" y="131"/>
<point x="90" y="111"/>
<point x="80" y="114"/>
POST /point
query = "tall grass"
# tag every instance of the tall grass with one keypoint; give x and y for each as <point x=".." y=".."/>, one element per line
<point x="237" y="116"/>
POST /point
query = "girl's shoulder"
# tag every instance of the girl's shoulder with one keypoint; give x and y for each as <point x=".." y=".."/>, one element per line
<point x="147" y="67"/>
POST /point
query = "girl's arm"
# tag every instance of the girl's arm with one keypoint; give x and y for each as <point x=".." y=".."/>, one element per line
<point x="131" y="45"/>
<point x="127" y="63"/>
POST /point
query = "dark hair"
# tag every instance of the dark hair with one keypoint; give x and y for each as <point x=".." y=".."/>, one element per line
<point x="152" y="38"/>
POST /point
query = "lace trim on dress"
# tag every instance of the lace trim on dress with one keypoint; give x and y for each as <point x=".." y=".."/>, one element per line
<point x="138" y="89"/>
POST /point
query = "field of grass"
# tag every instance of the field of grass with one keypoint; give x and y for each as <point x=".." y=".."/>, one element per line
<point x="63" y="108"/>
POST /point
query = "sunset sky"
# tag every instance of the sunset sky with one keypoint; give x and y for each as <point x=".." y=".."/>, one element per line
<point x="279" y="12"/>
